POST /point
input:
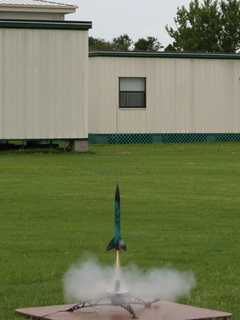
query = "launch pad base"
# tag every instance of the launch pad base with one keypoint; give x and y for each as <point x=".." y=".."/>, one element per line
<point x="159" y="311"/>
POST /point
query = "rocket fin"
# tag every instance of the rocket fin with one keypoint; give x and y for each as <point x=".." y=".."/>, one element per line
<point x="119" y="245"/>
<point x="111" y="245"/>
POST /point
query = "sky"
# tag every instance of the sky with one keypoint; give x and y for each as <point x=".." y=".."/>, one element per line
<point x="137" y="18"/>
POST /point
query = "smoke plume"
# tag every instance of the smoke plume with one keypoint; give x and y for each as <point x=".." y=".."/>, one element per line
<point x="90" y="280"/>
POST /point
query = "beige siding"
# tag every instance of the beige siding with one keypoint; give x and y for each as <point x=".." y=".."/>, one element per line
<point x="43" y="83"/>
<point x="31" y="15"/>
<point x="183" y="95"/>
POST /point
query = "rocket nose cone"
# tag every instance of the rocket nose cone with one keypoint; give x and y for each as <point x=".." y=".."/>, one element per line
<point x="117" y="193"/>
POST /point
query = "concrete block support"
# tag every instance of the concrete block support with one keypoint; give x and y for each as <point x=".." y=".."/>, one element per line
<point x="80" y="145"/>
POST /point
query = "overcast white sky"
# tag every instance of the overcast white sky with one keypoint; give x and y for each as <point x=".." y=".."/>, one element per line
<point x="138" y="18"/>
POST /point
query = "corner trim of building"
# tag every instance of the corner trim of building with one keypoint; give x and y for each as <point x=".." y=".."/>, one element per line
<point x="162" y="138"/>
<point x="169" y="55"/>
<point x="45" y="24"/>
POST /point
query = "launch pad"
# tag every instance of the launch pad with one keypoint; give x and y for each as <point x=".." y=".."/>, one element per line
<point x="159" y="311"/>
<point x="118" y="299"/>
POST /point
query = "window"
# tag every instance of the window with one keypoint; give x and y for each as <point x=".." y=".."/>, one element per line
<point x="132" y="92"/>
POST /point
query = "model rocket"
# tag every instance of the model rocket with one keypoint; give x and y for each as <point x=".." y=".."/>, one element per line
<point x="117" y="297"/>
<point x="117" y="243"/>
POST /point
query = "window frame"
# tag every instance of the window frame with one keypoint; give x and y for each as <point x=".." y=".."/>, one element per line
<point x="145" y="93"/>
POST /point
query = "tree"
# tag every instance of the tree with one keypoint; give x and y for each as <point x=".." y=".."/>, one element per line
<point x="147" y="44"/>
<point x="123" y="43"/>
<point x="170" y="48"/>
<point x="230" y="37"/>
<point x="99" y="44"/>
<point x="206" y="26"/>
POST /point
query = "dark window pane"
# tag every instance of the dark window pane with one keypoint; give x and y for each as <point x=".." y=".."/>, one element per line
<point x="132" y="99"/>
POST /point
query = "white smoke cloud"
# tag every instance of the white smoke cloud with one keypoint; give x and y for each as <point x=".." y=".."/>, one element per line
<point x="90" y="280"/>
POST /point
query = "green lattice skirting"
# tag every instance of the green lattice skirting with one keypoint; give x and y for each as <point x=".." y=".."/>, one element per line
<point x="147" y="138"/>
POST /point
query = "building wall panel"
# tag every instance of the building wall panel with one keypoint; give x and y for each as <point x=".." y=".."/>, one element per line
<point x="31" y="15"/>
<point x="161" y="108"/>
<point x="44" y="79"/>
<point x="213" y="96"/>
<point x="183" y="95"/>
<point x="236" y="96"/>
<point x="103" y="97"/>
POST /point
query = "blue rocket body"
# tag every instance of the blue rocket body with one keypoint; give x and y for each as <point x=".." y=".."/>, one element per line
<point x="117" y="243"/>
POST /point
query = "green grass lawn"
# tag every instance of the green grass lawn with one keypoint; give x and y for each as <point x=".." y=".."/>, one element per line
<point x="180" y="208"/>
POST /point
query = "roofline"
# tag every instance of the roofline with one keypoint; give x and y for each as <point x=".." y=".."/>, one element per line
<point x="166" y="55"/>
<point x="38" y="6"/>
<point x="45" y="24"/>
<point x="49" y="9"/>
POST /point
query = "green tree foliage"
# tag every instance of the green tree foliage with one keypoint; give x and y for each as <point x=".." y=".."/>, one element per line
<point x="123" y="43"/>
<point x="230" y="36"/>
<point x="206" y="26"/>
<point x="147" y="44"/>
<point x="99" y="44"/>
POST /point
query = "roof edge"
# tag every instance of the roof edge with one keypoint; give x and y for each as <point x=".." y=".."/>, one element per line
<point x="179" y="55"/>
<point x="45" y="24"/>
<point x="48" y="9"/>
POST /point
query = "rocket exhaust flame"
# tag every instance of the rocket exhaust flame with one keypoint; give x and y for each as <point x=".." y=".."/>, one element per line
<point x="117" y="285"/>
<point x="117" y="263"/>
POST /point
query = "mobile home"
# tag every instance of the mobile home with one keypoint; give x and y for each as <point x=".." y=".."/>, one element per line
<point x="157" y="97"/>
<point x="52" y="88"/>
